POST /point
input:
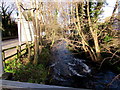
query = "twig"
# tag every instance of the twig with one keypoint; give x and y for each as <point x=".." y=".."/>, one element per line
<point x="116" y="77"/>
<point x="103" y="62"/>
<point x="27" y="9"/>
<point x="113" y="55"/>
<point x="116" y="62"/>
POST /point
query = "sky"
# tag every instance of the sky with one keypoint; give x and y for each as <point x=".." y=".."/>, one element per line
<point x="107" y="10"/>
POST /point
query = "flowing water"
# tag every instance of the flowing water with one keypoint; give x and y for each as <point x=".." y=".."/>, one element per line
<point x="66" y="70"/>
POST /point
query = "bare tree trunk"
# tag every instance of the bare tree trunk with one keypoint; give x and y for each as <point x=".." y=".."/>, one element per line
<point x="80" y="30"/>
<point x="37" y="35"/>
<point x="82" y="35"/>
<point x="94" y="34"/>
<point x="29" y="50"/>
<point x="20" y="12"/>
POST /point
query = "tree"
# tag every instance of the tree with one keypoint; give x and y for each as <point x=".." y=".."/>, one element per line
<point x="9" y="25"/>
<point x="88" y="27"/>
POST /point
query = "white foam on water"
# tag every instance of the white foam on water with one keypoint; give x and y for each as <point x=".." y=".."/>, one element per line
<point x="71" y="64"/>
<point x="86" y="68"/>
<point x="74" y="72"/>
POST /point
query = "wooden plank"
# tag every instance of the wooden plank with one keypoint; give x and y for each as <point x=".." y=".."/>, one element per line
<point x="16" y="84"/>
<point x="10" y="56"/>
<point x="13" y="47"/>
<point x="19" y="46"/>
<point x="23" y="44"/>
<point x="8" y="48"/>
<point x="1" y="63"/>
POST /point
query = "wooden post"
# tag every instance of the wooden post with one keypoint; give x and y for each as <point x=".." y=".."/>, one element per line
<point x="3" y="55"/>
<point x="1" y="61"/>
<point x="18" y="52"/>
<point x="26" y="48"/>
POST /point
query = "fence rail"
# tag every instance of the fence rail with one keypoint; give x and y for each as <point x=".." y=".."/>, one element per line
<point x="19" y="50"/>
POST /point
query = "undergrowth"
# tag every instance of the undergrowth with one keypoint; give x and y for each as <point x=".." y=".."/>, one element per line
<point x="25" y="71"/>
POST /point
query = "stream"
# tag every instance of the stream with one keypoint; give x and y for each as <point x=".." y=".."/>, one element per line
<point x="66" y="70"/>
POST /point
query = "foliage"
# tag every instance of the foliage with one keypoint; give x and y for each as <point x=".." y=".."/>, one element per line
<point x="22" y="68"/>
<point x="45" y="56"/>
<point x="44" y="18"/>
<point x="34" y="73"/>
<point x="89" y="33"/>
<point x="92" y="34"/>
<point x="83" y="17"/>
<point x="107" y="38"/>
<point x="12" y="65"/>
<point x="26" y="72"/>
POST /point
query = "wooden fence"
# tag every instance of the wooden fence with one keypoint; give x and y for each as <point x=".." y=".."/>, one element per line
<point x="19" y="50"/>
